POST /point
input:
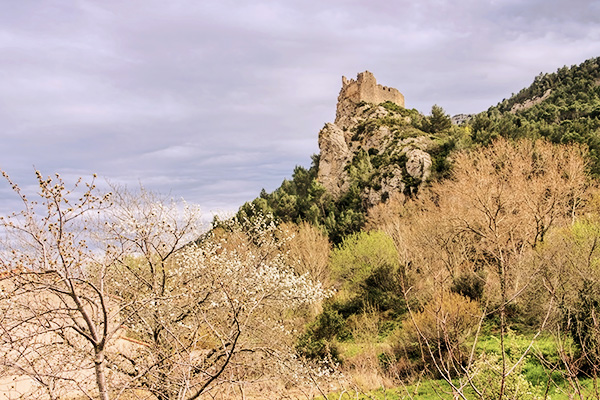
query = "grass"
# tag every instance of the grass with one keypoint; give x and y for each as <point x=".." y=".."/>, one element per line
<point x="426" y="390"/>
<point x="542" y="368"/>
<point x="441" y="390"/>
<point x="536" y="368"/>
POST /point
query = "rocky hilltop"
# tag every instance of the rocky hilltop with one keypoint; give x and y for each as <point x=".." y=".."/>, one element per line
<point x="375" y="150"/>
<point x="376" y="147"/>
<point x="374" y="143"/>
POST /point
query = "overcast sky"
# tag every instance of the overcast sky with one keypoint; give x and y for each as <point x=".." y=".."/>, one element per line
<point x="213" y="100"/>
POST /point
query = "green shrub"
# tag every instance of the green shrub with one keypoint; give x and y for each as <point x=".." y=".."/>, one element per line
<point x="357" y="260"/>
<point x="319" y="340"/>
<point x="393" y="107"/>
<point x="469" y="284"/>
<point x="487" y="378"/>
<point x="585" y="325"/>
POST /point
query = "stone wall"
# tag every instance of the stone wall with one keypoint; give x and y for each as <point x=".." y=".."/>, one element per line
<point x="364" y="88"/>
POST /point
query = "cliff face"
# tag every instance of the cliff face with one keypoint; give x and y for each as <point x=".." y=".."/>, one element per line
<point x="371" y="146"/>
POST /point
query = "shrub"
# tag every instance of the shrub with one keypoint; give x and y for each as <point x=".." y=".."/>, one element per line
<point x="367" y="270"/>
<point x="319" y="340"/>
<point x="585" y="324"/>
<point x="440" y="330"/>
<point x="469" y="284"/>
<point x="487" y="378"/>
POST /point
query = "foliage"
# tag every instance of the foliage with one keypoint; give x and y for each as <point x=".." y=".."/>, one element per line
<point x="584" y="323"/>
<point x="495" y="241"/>
<point x="469" y="284"/>
<point x="445" y="322"/>
<point x="479" y="234"/>
<point x="366" y="267"/>
<point x="319" y="340"/>
<point x="571" y="258"/>
<point x="218" y="302"/>
<point x="438" y="121"/>
<point x="438" y="333"/>
<point x="491" y="382"/>
<point x="354" y="261"/>
<point x="303" y="199"/>
<point x="563" y="107"/>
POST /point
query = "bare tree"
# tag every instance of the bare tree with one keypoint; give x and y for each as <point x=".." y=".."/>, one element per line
<point x="214" y="312"/>
<point x="484" y="224"/>
<point x="309" y="247"/>
<point x="57" y="317"/>
<point x="115" y="288"/>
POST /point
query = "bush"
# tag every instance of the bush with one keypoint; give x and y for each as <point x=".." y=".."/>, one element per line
<point x="367" y="270"/>
<point x="319" y="341"/>
<point x="585" y="324"/>
<point x="441" y="329"/>
<point x="469" y="284"/>
<point x="487" y="378"/>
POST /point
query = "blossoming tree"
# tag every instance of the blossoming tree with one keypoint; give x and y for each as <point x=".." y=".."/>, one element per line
<point x="108" y="295"/>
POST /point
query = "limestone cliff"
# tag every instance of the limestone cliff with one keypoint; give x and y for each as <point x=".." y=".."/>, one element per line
<point x="373" y="145"/>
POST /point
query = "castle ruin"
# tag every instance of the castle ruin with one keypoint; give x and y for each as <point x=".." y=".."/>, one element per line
<point x="339" y="142"/>
<point x="365" y="88"/>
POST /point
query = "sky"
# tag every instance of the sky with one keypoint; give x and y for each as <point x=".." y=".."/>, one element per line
<point x="213" y="100"/>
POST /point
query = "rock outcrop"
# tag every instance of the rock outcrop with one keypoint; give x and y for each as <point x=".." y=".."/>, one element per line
<point x="460" y="119"/>
<point x="530" y="102"/>
<point x="372" y="144"/>
<point x="335" y="154"/>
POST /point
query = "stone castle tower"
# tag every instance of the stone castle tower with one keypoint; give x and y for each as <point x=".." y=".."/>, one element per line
<point x="364" y="88"/>
<point x="338" y="144"/>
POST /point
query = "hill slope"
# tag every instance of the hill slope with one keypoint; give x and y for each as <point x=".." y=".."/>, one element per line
<point x="373" y="151"/>
<point x="563" y="107"/>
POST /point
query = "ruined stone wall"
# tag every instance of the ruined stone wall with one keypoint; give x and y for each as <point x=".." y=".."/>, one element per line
<point x="365" y="88"/>
<point x="339" y="142"/>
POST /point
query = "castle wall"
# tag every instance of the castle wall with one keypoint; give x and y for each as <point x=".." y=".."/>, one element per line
<point x="365" y="88"/>
<point x="336" y="140"/>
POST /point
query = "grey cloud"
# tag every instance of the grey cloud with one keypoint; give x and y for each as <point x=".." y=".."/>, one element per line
<point x="213" y="100"/>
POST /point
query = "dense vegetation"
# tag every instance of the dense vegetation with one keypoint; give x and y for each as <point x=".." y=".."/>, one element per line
<point x="304" y="199"/>
<point x="489" y="273"/>
<point x="569" y="113"/>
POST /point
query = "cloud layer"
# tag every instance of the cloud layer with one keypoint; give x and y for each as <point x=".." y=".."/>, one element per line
<point x="213" y="100"/>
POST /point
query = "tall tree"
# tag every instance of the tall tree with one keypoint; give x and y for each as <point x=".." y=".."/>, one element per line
<point x="438" y="121"/>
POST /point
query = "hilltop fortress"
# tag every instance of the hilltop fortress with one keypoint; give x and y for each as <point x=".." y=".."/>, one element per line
<point x="364" y="129"/>
<point x="364" y="88"/>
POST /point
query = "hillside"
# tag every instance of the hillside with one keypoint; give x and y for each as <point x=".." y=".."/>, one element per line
<point x="374" y="150"/>
<point x="414" y="259"/>
<point x="465" y="253"/>
<point x="563" y="107"/>
<point x="377" y="149"/>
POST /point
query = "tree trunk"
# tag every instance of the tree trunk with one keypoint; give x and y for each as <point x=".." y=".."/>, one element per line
<point x="100" y="376"/>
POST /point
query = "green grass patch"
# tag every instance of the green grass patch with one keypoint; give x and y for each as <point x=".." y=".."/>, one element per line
<point x="515" y="345"/>
<point x="425" y="390"/>
<point x="441" y="390"/>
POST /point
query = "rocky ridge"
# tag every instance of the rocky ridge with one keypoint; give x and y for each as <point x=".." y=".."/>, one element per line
<point x="374" y="145"/>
